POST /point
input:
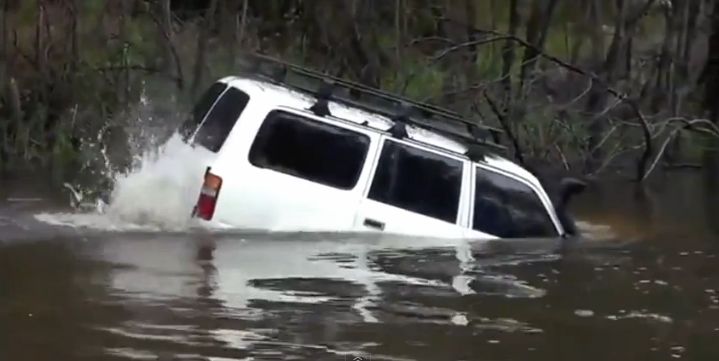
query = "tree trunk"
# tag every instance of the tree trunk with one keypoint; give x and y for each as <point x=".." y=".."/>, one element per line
<point x="124" y="86"/>
<point x="398" y="33"/>
<point x="695" y="10"/>
<point x="363" y="56"/>
<point x="537" y="29"/>
<point x="75" y="34"/>
<point x="508" y="56"/>
<point x="200" y="59"/>
<point x="172" y="59"/>
<point x="711" y="91"/>
<point x="243" y="23"/>
<point x="39" y="38"/>
<point x="663" y="87"/>
<point x="683" y="8"/>
<point x="598" y="95"/>
<point x="586" y="30"/>
<point x="509" y="51"/>
<point x="4" y="84"/>
<point x="229" y="19"/>
<point x="711" y="104"/>
<point x="711" y="179"/>
<point x="460" y="64"/>
<point x="4" y="48"/>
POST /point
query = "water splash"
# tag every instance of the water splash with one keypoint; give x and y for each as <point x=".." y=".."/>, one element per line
<point x="162" y="190"/>
<point x="157" y="193"/>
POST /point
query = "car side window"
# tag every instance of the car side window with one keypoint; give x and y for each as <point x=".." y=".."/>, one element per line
<point x="418" y="180"/>
<point x="310" y="149"/>
<point x="508" y="208"/>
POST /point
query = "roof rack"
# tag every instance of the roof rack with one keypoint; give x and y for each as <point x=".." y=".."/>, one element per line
<point x="326" y="87"/>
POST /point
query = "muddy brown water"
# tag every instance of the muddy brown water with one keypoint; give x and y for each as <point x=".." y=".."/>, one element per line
<point x="644" y="285"/>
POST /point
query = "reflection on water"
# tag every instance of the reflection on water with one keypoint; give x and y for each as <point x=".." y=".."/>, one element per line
<point x="644" y="286"/>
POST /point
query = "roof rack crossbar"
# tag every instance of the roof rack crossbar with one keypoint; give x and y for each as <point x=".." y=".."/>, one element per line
<point x="411" y="111"/>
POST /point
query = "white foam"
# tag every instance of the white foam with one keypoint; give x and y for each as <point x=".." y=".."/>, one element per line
<point x="163" y="189"/>
<point x="158" y="193"/>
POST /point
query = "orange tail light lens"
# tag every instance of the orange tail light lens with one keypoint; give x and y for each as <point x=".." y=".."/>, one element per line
<point x="207" y="200"/>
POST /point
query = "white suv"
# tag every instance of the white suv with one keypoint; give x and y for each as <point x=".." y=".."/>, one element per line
<point x="288" y="158"/>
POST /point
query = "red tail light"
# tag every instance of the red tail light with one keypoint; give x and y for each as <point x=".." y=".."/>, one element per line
<point x="207" y="201"/>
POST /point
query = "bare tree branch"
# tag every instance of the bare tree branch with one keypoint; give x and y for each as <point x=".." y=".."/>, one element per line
<point x="503" y="121"/>
<point x="621" y="97"/>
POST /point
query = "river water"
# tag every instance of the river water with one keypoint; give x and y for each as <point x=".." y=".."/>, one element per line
<point x="642" y="285"/>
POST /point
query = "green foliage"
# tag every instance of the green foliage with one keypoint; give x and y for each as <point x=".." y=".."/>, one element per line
<point x="417" y="79"/>
<point x="489" y="64"/>
<point x="68" y="100"/>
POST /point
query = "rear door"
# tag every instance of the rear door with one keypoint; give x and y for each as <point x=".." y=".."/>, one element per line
<point x="415" y="190"/>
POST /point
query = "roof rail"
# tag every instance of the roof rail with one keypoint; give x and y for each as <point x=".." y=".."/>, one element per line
<point x="326" y="87"/>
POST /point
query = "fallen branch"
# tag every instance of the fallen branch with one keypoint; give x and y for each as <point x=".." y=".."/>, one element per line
<point x="581" y="95"/>
<point x="431" y="38"/>
<point x="451" y="49"/>
<point x="686" y="124"/>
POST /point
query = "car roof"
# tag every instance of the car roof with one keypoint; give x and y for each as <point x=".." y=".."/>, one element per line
<point x="280" y="96"/>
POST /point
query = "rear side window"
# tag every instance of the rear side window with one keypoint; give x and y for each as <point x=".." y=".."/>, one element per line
<point x="222" y="117"/>
<point x="310" y="149"/>
<point x="508" y="208"/>
<point x="418" y="181"/>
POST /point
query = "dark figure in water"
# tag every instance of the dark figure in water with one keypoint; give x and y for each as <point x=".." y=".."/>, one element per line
<point x="561" y="189"/>
<point x="568" y="188"/>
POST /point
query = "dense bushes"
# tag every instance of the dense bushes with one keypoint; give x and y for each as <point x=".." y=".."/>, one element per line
<point x="581" y="83"/>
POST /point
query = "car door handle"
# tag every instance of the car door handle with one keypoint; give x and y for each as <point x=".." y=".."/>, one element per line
<point x="372" y="223"/>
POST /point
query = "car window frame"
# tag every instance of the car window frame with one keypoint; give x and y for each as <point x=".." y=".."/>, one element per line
<point x="463" y="203"/>
<point x="546" y="204"/>
<point x="331" y="121"/>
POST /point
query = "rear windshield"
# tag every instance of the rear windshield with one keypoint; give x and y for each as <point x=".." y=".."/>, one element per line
<point x="222" y="115"/>
<point x="203" y="105"/>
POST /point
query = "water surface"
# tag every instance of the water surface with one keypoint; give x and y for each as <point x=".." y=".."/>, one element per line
<point x="644" y="285"/>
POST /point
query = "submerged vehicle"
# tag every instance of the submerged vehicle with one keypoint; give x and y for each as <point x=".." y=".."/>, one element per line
<point x="295" y="149"/>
